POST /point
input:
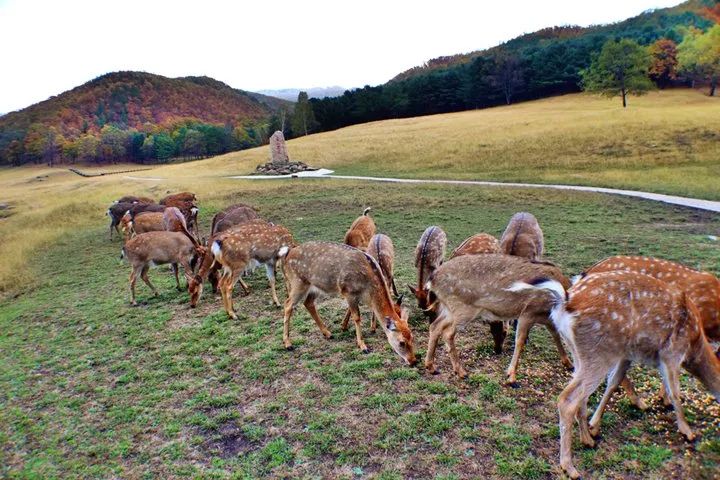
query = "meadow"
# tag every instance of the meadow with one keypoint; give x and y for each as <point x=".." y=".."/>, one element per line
<point x="91" y="387"/>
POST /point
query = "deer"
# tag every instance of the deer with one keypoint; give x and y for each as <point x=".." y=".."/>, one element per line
<point x="239" y="248"/>
<point x="638" y="318"/>
<point x="174" y="221"/>
<point x="116" y="212"/>
<point x="429" y="255"/>
<point x="361" y="231"/>
<point x="314" y="268"/>
<point x="523" y="237"/>
<point x="189" y="211"/>
<point x="155" y="248"/>
<point x="232" y="215"/>
<point x="703" y="288"/>
<point x="182" y="196"/>
<point x="134" y="199"/>
<point x="209" y="268"/>
<point x="476" y="245"/>
<point x="473" y="286"/>
<point x="138" y="208"/>
<point x="145" y="222"/>
<point x="382" y="250"/>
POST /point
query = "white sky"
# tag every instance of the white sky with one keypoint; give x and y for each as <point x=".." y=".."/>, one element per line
<point x="47" y="47"/>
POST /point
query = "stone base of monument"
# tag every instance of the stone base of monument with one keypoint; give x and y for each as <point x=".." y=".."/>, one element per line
<point x="287" y="169"/>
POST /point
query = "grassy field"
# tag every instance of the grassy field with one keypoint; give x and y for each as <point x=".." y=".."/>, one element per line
<point x="93" y="388"/>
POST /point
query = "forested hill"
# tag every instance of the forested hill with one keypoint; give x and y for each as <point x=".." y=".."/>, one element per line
<point x="540" y="64"/>
<point x="135" y="116"/>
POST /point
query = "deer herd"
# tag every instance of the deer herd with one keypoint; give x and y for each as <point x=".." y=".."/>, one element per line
<point x="621" y="310"/>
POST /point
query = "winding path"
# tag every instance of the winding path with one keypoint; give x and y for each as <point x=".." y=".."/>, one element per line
<point x="709" y="205"/>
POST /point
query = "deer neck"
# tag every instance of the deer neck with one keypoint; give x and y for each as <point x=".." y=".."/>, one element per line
<point x="705" y="365"/>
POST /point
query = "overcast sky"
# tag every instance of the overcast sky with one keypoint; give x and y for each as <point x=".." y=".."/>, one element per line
<point x="47" y="47"/>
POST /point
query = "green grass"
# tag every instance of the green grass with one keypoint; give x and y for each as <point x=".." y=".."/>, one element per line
<point x="93" y="388"/>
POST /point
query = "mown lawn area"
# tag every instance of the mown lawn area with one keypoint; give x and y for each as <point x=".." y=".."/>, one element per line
<point x="93" y="388"/>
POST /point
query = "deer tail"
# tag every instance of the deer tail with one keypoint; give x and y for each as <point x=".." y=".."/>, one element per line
<point x="367" y="210"/>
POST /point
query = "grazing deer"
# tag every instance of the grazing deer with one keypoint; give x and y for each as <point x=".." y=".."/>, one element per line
<point x="331" y="268"/>
<point x="174" y="221"/>
<point x="189" y="211"/>
<point x="612" y="319"/>
<point x="182" y="196"/>
<point x="703" y="288"/>
<point x="155" y="248"/>
<point x="241" y="247"/>
<point x="477" y="244"/>
<point x="523" y="237"/>
<point x="146" y="222"/>
<point x="473" y="286"/>
<point x="138" y="208"/>
<point x="382" y="250"/>
<point x="116" y="213"/>
<point x="209" y="268"/>
<point x="361" y="231"/>
<point x="429" y="255"/>
<point x="134" y="199"/>
<point x="233" y="215"/>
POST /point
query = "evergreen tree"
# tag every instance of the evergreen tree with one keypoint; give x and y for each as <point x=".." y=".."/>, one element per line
<point x="303" y="119"/>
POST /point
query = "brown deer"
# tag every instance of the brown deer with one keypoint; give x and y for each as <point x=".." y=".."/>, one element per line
<point x="612" y="319"/>
<point x="233" y="215"/>
<point x="477" y="244"/>
<point x="174" y="221"/>
<point x="134" y="199"/>
<point x="243" y="247"/>
<point x="116" y="213"/>
<point x="361" y="231"/>
<point x="473" y="286"/>
<point x="209" y="268"/>
<point x="189" y="211"/>
<point x="138" y="208"/>
<point x="703" y="288"/>
<point x="336" y="269"/>
<point x="146" y="222"/>
<point x="523" y="237"/>
<point x="156" y="248"/>
<point x="429" y="255"/>
<point x="182" y="196"/>
<point x="382" y="250"/>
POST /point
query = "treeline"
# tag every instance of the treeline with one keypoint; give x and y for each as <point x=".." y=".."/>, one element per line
<point x="542" y="64"/>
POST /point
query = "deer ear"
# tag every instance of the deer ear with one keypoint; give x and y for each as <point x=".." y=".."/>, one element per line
<point x="412" y="289"/>
<point x="399" y="300"/>
<point x="389" y="324"/>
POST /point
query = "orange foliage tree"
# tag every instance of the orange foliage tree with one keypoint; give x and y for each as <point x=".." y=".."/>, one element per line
<point x="663" y="68"/>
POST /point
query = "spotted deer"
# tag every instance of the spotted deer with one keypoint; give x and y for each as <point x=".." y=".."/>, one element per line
<point x="382" y="250"/>
<point x="174" y="221"/>
<point x="523" y="237"/>
<point x="156" y="248"/>
<point x="315" y="268"/>
<point x="429" y="255"/>
<point x="144" y="222"/>
<point x="477" y="244"/>
<point x="209" y="268"/>
<point x="479" y="286"/>
<point x="242" y="247"/>
<point x="361" y="231"/>
<point x="703" y="288"/>
<point x="638" y="319"/>
<point x="231" y="216"/>
<point x="181" y="196"/>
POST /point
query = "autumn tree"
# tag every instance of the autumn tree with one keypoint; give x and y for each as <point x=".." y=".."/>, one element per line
<point x="621" y="68"/>
<point x="303" y="119"/>
<point x="507" y="75"/>
<point x="663" y="67"/>
<point x="699" y="56"/>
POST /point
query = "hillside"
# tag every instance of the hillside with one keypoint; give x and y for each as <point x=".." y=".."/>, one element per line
<point x="536" y="65"/>
<point x="291" y="94"/>
<point x="126" y="101"/>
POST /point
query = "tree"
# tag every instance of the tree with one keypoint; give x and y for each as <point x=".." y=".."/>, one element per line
<point x="699" y="56"/>
<point x="303" y="119"/>
<point x="663" y="68"/>
<point x="621" y="68"/>
<point x="507" y="75"/>
<point x="87" y="146"/>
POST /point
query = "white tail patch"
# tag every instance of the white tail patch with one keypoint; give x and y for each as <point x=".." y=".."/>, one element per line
<point x="283" y="252"/>
<point x="215" y="249"/>
<point x="367" y="210"/>
<point x="553" y="286"/>
<point x="194" y="210"/>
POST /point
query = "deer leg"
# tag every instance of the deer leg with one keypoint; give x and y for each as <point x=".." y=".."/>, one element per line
<point x="499" y="332"/>
<point x="590" y="384"/>
<point x="228" y="289"/>
<point x="436" y="329"/>
<point x="355" y="311"/>
<point x="144" y="276"/>
<point x="310" y="306"/>
<point x="449" y="337"/>
<point x="568" y="404"/>
<point x="244" y="286"/>
<point x="111" y="227"/>
<point x="521" y="333"/>
<point x="664" y="396"/>
<point x="373" y="323"/>
<point x="270" y="271"/>
<point x="669" y="372"/>
<point x="174" y="267"/>
<point x="632" y="395"/>
<point x="133" y="279"/>
<point x="615" y="377"/>
<point x="560" y="348"/>
<point x="346" y="320"/>
<point x="295" y="294"/>
<point x="223" y="292"/>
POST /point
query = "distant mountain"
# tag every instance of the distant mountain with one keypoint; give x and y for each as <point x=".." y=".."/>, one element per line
<point x="316" y="92"/>
<point x="138" y="102"/>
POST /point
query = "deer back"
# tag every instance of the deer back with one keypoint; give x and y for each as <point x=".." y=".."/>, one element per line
<point x="703" y="288"/>
<point x="477" y="244"/>
<point x="148" y="222"/>
<point x="232" y="216"/>
<point x="429" y="253"/>
<point x="360" y="232"/>
<point x="181" y="196"/>
<point x="139" y="208"/>
<point x="260" y="241"/>
<point x="523" y="237"/>
<point x="117" y="210"/>
<point x="158" y="247"/>
<point x="382" y="250"/>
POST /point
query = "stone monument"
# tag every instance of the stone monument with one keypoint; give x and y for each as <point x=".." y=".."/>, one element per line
<point x="280" y="163"/>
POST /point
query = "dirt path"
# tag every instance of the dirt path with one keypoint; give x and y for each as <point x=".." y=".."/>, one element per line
<point x="709" y="205"/>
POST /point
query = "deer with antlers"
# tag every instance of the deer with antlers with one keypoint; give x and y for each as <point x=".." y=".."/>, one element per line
<point x="429" y="255"/>
<point x="245" y="246"/>
<point x="703" y="288"/>
<point x="612" y="319"/>
<point x="315" y="268"/>
<point x="473" y="286"/>
<point x="361" y="231"/>
<point x="523" y="237"/>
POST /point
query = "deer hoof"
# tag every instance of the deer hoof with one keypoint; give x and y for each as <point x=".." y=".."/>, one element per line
<point x="365" y="350"/>
<point x="289" y="348"/>
<point x="512" y="383"/>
